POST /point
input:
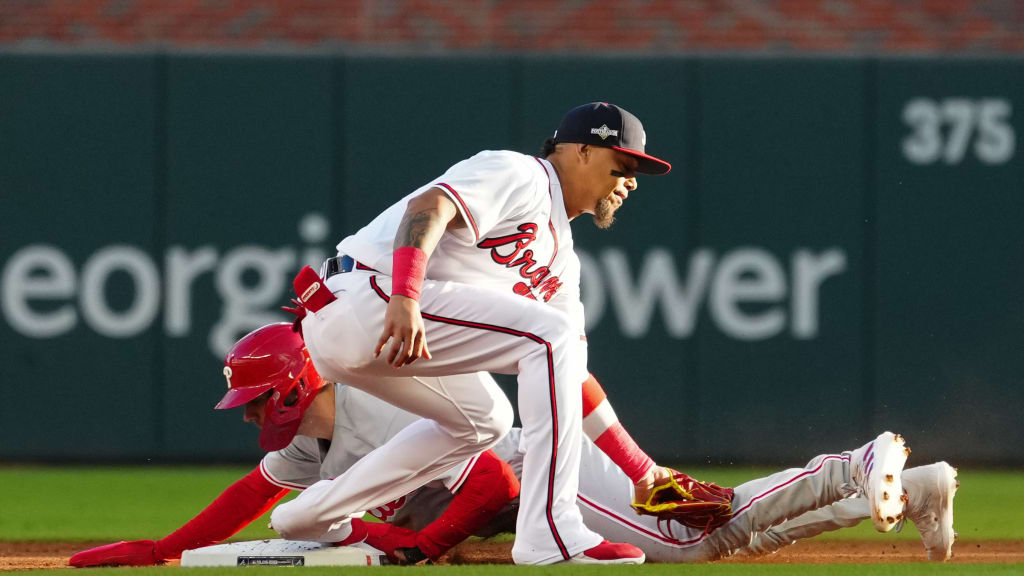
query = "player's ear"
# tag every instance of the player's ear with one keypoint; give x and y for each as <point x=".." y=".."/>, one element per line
<point x="583" y="153"/>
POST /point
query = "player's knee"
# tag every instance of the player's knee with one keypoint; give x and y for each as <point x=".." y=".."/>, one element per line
<point x="500" y="422"/>
<point x="486" y="430"/>
<point x="555" y="326"/>
<point x="288" y="525"/>
<point x="294" y="522"/>
<point x="730" y="538"/>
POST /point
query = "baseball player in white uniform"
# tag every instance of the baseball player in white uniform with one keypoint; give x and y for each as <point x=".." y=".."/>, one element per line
<point x="475" y="271"/>
<point x="326" y="428"/>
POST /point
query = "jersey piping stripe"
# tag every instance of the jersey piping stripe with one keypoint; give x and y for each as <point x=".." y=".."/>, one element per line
<point x="462" y="477"/>
<point x="279" y="483"/>
<point x="790" y="481"/>
<point x="635" y="527"/>
<point x="551" y="225"/>
<point x="555" y="236"/>
<point x="465" y="210"/>
<point x="683" y="543"/>
<point x="551" y="387"/>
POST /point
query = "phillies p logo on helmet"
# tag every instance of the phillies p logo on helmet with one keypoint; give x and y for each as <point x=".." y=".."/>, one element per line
<point x="272" y="359"/>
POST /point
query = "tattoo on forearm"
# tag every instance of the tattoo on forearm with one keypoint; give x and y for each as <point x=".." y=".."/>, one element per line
<point x="417" y="228"/>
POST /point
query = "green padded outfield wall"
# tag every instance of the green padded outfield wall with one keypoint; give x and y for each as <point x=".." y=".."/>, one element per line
<point x="836" y="252"/>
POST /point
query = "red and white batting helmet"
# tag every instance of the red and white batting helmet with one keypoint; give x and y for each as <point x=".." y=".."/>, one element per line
<point x="272" y="359"/>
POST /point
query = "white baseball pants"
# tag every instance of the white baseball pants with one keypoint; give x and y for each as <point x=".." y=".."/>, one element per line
<point x="469" y="329"/>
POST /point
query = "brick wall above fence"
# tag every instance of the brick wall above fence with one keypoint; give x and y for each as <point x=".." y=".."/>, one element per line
<point x="582" y="26"/>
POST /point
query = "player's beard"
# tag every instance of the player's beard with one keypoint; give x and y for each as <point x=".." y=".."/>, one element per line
<point x="604" y="213"/>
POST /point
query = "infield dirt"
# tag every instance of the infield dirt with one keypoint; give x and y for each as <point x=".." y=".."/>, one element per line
<point x="54" y="555"/>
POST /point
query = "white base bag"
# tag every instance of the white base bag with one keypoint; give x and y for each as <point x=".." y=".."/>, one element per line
<point x="283" y="553"/>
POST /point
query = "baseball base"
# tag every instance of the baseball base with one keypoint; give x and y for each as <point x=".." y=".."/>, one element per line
<point x="283" y="553"/>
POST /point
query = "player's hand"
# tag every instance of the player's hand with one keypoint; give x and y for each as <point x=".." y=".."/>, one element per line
<point x="136" y="553"/>
<point x="399" y="544"/>
<point x="403" y="325"/>
<point x="656" y="476"/>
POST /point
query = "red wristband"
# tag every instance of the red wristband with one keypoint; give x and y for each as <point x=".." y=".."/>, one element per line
<point x="408" y="267"/>
<point x="618" y="445"/>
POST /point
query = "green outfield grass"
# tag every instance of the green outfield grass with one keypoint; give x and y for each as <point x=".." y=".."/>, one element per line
<point x="126" y="503"/>
<point x="110" y="503"/>
<point x="114" y="503"/>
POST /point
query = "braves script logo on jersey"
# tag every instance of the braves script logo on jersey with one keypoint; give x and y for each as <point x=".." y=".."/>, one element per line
<point x="510" y="251"/>
<point x="388" y="510"/>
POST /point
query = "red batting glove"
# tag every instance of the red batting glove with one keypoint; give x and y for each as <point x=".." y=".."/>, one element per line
<point x="136" y="553"/>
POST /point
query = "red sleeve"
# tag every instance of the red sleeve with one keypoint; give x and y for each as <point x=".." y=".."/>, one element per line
<point x="490" y="485"/>
<point x="602" y="426"/>
<point x="242" y="502"/>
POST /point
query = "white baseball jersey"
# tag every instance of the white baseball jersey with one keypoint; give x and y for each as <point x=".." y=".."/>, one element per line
<point x="517" y="237"/>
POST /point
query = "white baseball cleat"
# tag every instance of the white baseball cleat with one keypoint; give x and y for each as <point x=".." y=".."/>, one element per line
<point x="931" y="490"/>
<point x="876" y="468"/>
<point x="609" y="553"/>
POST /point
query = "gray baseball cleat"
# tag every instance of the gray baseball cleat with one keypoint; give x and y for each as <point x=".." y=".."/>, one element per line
<point x="875" y="469"/>
<point x="931" y="490"/>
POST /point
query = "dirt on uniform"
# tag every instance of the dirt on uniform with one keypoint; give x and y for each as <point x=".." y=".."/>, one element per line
<point x="43" y="555"/>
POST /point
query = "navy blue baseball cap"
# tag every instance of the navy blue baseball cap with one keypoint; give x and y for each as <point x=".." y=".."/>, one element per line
<point x="607" y="125"/>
